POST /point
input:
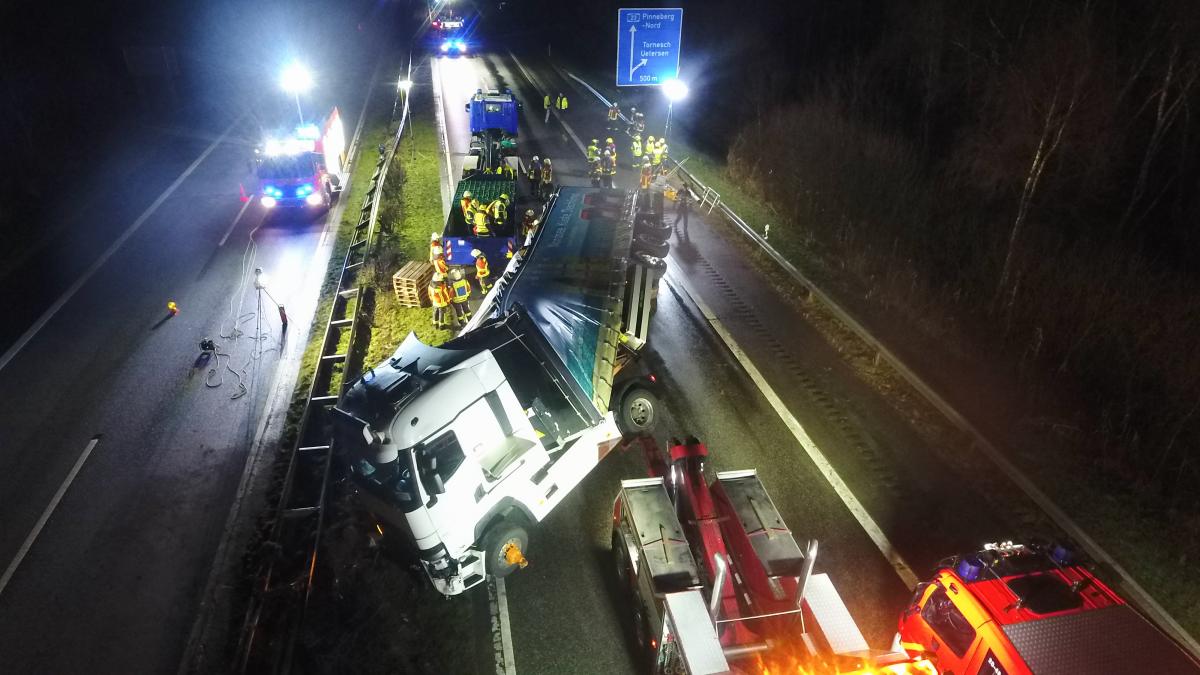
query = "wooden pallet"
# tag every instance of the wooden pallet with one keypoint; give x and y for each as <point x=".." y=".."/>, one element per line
<point x="411" y="283"/>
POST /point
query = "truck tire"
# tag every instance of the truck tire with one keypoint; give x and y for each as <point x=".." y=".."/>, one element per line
<point x="652" y="231"/>
<point x="650" y="261"/>
<point x="495" y="543"/>
<point x="658" y="249"/>
<point x="638" y="412"/>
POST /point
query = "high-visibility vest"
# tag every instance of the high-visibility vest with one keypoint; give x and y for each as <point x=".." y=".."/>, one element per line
<point x="547" y="175"/>
<point x="481" y="268"/>
<point x="593" y="152"/>
<point x="509" y="172"/>
<point x="439" y="295"/>
<point x="613" y="113"/>
<point x="462" y="291"/>
<point x="645" y="177"/>
<point x="499" y="211"/>
<point x="636" y="148"/>
<point x="546" y="101"/>
<point x="440" y="266"/>
<point x="481" y="224"/>
<point x="561" y="102"/>
<point x="656" y="156"/>
<point x="465" y="205"/>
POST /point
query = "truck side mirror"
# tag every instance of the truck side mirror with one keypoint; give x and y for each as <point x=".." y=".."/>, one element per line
<point x="467" y="107"/>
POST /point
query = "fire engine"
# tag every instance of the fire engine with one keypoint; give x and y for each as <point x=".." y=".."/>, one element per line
<point x="1014" y="609"/>
<point x="304" y="168"/>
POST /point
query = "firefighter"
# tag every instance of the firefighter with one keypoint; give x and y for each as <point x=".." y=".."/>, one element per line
<point x="460" y="294"/>
<point x="610" y="146"/>
<point x="480" y="225"/>
<point x="683" y="203"/>
<point x="435" y="245"/>
<point x="509" y="172"/>
<point x="560" y="102"/>
<point x="656" y="155"/>
<point x="595" y="172"/>
<point x="646" y="175"/>
<point x="528" y="224"/>
<point x="439" y="297"/>
<point x="535" y="177"/>
<point x="439" y="261"/>
<point x="637" y="121"/>
<point x="546" y="105"/>
<point x="498" y="210"/>
<point x="614" y="116"/>
<point x="467" y="205"/>
<point x="547" y="179"/>
<point x="635" y="149"/>
<point x="482" y="273"/>
<point x="662" y="145"/>
<point x="610" y="169"/>
<point x="593" y="151"/>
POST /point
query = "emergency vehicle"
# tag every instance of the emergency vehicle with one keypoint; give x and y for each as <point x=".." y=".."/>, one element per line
<point x="304" y="168"/>
<point x="715" y="582"/>
<point x="1015" y="609"/>
<point x="467" y="445"/>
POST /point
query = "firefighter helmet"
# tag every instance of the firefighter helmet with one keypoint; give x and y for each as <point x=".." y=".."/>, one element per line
<point x="535" y="158"/>
<point x="467" y="194"/>
<point x="595" y="142"/>
<point x="649" y="139"/>
<point x="546" y="161"/>
<point x="433" y="236"/>
<point x="504" y="198"/>
<point x="608" y="140"/>
<point x="475" y="253"/>
<point x="438" y="276"/>
<point x="529" y="212"/>
<point x="455" y="274"/>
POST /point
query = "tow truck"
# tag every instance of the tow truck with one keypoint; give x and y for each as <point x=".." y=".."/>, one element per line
<point x="304" y="168"/>
<point x="716" y="582"/>
<point x="467" y="445"/>
<point x="1016" y="609"/>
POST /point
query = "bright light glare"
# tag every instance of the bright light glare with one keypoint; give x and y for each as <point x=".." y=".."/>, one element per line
<point x="268" y="202"/>
<point x="445" y="46"/>
<point x="405" y="85"/>
<point x="674" y="90"/>
<point x="314" y="199"/>
<point x="296" y="79"/>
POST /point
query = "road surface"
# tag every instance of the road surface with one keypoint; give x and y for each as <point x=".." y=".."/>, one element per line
<point x="561" y="609"/>
<point x="118" y="459"/>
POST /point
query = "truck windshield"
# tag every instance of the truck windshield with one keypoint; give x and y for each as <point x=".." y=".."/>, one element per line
<point x="286" y="167"/>
<point x="393" y="482"/>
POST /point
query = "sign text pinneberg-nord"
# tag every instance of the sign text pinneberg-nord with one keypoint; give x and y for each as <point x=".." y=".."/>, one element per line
<point x="648" y="46"/>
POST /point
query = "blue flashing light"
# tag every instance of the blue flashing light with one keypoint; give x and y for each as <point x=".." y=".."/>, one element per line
<point x="272" y="191"/>
<point x="460" y="44"/>
<point x="446" y="46"/>
<point x="305" y="189"/>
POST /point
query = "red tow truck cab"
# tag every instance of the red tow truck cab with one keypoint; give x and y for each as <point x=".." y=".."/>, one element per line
<point x="1016" y="609"/>
<point x="304" y="168"/>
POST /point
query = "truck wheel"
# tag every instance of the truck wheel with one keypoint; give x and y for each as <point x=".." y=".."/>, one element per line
<point x="497" y="543"/>
<point x="658" y="249"/>
<point x="650" y="261"/>
<point x="652" y="231"/>
<point x="638" y="413"/>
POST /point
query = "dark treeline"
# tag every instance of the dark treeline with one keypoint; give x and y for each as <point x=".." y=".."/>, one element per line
<point x="1020" y="176"/>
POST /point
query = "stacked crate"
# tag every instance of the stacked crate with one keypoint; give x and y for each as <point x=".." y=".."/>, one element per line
<point x="411" y="282"/>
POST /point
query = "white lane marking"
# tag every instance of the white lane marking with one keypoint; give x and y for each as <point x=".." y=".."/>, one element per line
<point x="108" y="253"/>
<point x="41" y="522"/>
<point x="443" y="138"/>
<point x="506" y="661"/>
<point x="236" y="220"/>
<point x="814" y="453"/>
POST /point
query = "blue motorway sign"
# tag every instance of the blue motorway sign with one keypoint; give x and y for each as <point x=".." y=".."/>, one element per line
<point x="648" y="46"/>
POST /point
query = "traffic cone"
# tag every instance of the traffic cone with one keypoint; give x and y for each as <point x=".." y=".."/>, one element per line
<point x="242" y="193"/>
<point x="172" y="308"/>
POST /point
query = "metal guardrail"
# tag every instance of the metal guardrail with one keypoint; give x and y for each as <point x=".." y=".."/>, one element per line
<point x="1140" y="596"/>
<point x="272" y="623"/>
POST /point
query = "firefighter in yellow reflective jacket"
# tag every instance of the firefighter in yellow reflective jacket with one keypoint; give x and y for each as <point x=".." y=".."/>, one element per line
<point x="465" y="204"/>
<point x="498" y="210"/>
<point x="635" y="149"/>
<point x="614" y="117"/>
<point x="482" y="273"/>
<point x="609" y="165"/>
<point x="646" y="176"/>
<point x="560" y="102"/>
<point x="439" y="297"/>
<point x="460" y="294"/>
<point x="664" y="154"/>
<point x="656" y="155"/>
<point x="479" y="223"/>
<point x="593" y="151"/>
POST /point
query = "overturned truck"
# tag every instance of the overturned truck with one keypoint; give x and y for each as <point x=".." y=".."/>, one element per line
<point x="467" y="445"/>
